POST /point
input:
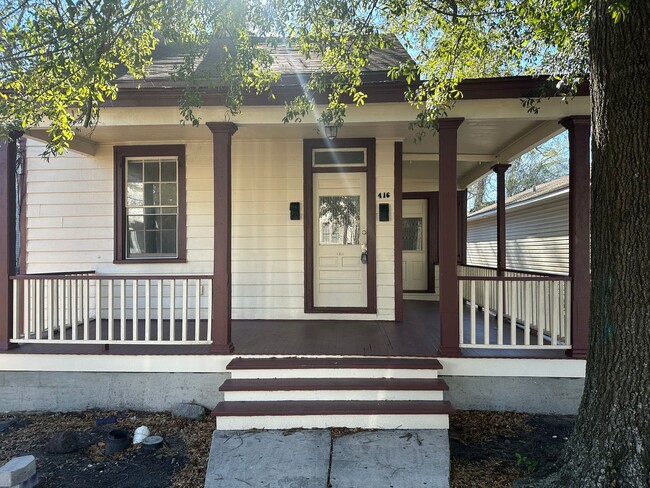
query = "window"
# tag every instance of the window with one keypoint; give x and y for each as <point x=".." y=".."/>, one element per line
<point x="150" y="203"/>
<point x="340" y="220"/>
<point x="412" y="234"/>
<point x="345" y="156"/>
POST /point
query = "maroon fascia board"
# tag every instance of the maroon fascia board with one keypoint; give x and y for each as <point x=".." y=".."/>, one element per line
<point x="166" y="93"/>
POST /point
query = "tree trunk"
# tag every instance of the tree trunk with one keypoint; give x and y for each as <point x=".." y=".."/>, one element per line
<point x="611" y="442"/>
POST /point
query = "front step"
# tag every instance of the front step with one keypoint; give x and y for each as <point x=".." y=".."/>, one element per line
<point x="296" y="367"/>
<point x="331" y="389"/>
<point x="323" y="414"/>
<point x="368" y="393"/>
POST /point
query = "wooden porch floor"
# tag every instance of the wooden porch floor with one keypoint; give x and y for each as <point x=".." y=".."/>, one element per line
<point x="418" y="335"/>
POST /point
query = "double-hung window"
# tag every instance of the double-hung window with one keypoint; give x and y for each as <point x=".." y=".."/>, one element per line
<point x="150" y="203"/>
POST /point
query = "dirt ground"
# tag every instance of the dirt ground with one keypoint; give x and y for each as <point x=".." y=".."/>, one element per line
<point x="180" y="463"/>
<point x="488" y="449"/>
<point x="491" y="449"/>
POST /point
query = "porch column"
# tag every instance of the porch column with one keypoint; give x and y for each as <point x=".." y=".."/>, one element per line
<point x="448" y="236"/>
<point x="221" y="287"/>
<point x="500" y="170"/>
<point x="579" y="127"/>
<point x="8" y="239"/>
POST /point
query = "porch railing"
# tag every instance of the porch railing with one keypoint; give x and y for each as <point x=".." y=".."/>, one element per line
<point x="518" y="310"/>
<point x="85" y="308"/>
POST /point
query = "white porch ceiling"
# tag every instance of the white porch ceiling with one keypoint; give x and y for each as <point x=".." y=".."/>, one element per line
<point x="493" y="130"/>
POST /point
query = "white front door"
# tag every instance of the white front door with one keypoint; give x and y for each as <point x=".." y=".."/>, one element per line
<point x="340" y="238"/>
<point x="414" y="245"/>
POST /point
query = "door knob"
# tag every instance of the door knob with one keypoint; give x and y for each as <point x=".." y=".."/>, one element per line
<point x="364" y="257"/>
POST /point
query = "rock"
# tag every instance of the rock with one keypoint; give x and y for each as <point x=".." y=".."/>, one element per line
<point x="17" y="471"/>
<point x="188" y="411"/>
<point x="63" y="442"/>
<point x="5" y="424"/>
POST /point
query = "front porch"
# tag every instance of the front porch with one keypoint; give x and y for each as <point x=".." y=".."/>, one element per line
<point x="417" y="336"/>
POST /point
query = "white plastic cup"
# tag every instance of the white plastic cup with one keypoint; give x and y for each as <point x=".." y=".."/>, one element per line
<point x="141" y="433"/>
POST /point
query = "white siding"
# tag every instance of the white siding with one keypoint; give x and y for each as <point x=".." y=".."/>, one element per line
<point x="537" y="237"/>
<point x="70" y="223"/>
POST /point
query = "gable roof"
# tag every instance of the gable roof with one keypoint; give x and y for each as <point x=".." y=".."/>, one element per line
<point x="287" y="60"/>
<point x="556" y="186"/>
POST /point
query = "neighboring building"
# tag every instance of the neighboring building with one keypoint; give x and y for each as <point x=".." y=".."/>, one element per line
<point x="157" y="254"/>
<point x="537" y="230"/>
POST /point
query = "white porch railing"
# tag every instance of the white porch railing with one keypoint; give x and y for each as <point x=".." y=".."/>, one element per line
<point x="84" y="308"/>
<point x="517" y="311"/>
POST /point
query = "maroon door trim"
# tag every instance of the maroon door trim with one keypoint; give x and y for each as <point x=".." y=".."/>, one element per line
<point x="308" y="195"/>
<point x="398" y="232"/>
<point x="432" y="236"/>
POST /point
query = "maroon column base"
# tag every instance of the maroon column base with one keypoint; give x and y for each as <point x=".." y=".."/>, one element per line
<point x="577" y="353"/>
<point x="222" y="348"/>
<point x="6" y="346"/>
<point x="450" y="352"/>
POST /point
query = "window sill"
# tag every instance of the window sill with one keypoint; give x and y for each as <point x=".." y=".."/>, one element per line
<point x="149" y="261"/>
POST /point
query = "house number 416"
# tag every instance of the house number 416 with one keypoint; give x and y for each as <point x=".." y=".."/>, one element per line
<point x="384" y="194"/>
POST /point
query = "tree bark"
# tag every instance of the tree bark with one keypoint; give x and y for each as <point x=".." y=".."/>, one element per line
<point x="610" y="445"/>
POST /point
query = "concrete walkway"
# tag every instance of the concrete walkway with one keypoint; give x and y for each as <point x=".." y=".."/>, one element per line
<point x="313" y="458"/>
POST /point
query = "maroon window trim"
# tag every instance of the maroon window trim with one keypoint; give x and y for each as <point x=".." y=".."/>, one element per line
<point x="120" y="153"/>
<point x="308" y="182"/>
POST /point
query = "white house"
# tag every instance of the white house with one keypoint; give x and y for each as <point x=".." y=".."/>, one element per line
<point x="537" y="230"/>
<point x="164" y="262"/>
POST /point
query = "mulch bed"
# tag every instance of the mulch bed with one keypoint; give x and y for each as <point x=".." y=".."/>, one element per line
<point x="492" y="449"/>
<point x="488" y="449"/>
<point x="180" y="463"/>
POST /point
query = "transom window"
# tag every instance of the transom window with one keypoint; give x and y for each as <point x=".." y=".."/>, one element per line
<point x="150" y="219"/>
<point x="344" y="156"/>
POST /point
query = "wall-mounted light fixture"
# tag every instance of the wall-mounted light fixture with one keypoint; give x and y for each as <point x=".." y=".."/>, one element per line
<point x="331" y="131"/>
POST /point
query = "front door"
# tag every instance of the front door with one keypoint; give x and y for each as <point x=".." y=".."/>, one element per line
<point x="340" y="240"/>
<point x="414" y="245"/>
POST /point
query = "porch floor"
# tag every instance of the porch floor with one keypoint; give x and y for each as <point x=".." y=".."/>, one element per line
<point x="418" y="336"/>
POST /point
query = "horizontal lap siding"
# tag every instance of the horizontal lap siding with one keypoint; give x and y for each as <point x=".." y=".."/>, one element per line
<point x="70" y="223"/>
<point x="267" y="247"/>
<point x="70" y="213"/>
<point x="386" y="232"/>
<point x="69" y="210"/>
<point x="537" y="237"/>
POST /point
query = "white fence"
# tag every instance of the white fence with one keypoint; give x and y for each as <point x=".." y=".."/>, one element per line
<point x="515" y="311"/>
<point x="83" y="308"/>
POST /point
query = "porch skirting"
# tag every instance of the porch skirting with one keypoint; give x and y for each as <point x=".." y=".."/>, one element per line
<point x="65" y="391"/>
<point x="63" y="383"/>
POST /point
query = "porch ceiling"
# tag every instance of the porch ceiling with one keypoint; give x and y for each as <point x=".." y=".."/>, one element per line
<point x="493" y="131"/>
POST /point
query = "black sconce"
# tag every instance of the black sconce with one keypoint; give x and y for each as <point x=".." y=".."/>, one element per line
<point x="384" y="212"/>
<point x="331" y="131"/>
<point x="294" y="210"/>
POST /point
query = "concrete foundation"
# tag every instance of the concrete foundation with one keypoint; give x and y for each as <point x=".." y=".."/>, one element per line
<point x="73" y="391"/>
<point x="519" y="394"/>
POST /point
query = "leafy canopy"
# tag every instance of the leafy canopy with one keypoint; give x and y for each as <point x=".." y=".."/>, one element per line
<point x="59" y="59"/>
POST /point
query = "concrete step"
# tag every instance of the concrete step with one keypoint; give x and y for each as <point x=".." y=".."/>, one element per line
<point x="323" y="414"/>
<point x="297" y="367"/>
<point x="333" y="389"/>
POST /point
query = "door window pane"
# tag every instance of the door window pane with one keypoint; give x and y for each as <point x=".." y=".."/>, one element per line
<point x="340" y="219"/>
<point x="412" y="234"/>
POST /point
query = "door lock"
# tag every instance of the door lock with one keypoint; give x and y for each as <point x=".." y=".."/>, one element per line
<point x="364" y="256"/>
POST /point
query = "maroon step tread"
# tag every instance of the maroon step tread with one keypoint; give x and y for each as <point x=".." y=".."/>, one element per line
<point x="249" y="409"/>
<point x="333" y="363"/>
<point x="319" y="384"/>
